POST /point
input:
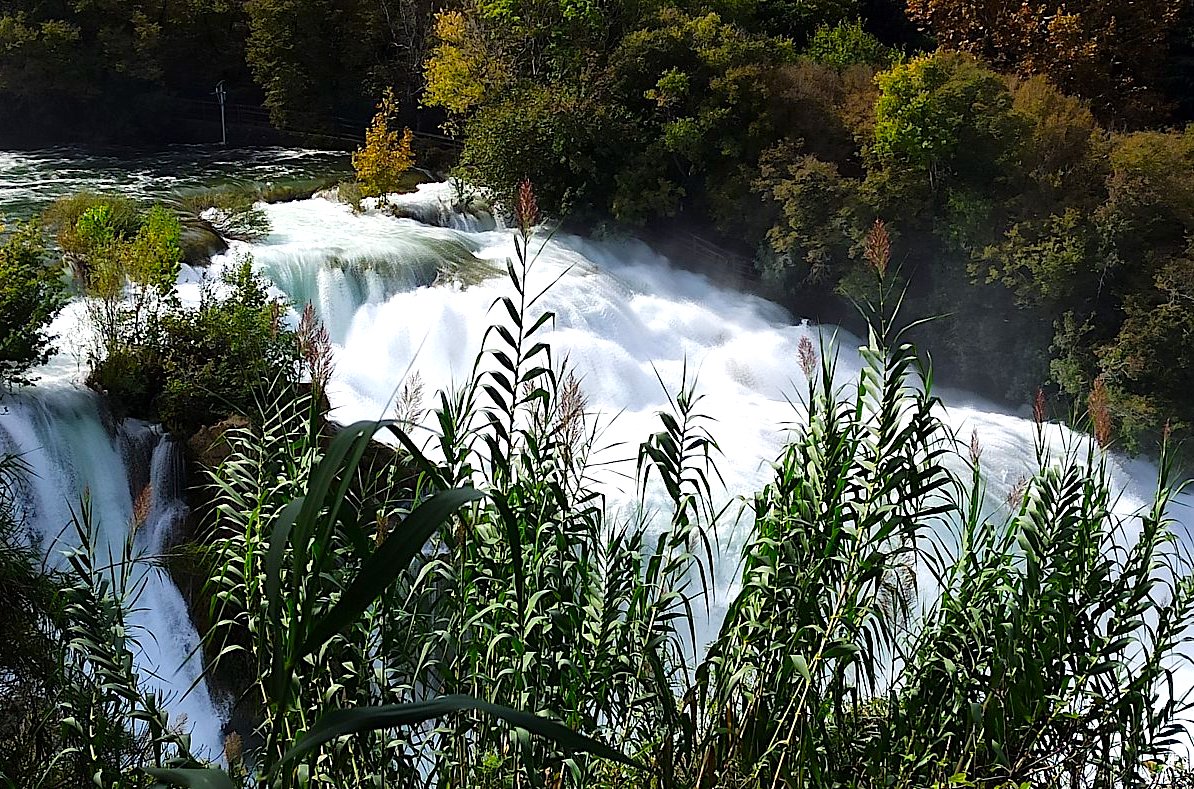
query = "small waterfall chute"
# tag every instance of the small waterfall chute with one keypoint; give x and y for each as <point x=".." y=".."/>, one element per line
<point x="132" y="476"/>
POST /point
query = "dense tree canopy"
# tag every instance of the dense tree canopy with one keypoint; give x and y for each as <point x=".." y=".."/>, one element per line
<point x="1112" y="52"/>
<point x="123" y="63"/>
<point x="110" y="61"/>
<point x="318" y="61"/>
<point x="1029" y="159"/>
<point x="1054" y="247"/>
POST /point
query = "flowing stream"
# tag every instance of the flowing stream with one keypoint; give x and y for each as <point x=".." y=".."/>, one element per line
<point x="413" y="295"/>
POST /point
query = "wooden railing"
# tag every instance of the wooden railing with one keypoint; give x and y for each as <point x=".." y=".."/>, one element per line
<point x="704" y="255"/>
<point x="248" y="116"/>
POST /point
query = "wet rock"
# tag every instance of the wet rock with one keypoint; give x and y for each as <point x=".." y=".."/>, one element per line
<point x="209" y="447"/>
<point x="200" y="242"/>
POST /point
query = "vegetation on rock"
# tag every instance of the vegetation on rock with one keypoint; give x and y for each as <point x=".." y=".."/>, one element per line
<point x="32" y="291"/>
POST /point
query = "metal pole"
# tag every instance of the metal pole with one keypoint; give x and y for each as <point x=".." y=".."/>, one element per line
<point x="221" y="95"/>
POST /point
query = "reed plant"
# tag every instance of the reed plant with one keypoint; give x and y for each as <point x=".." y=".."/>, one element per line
<point x="527" y="598"/>
<point x="459" y="606"/>
<point x="31" y="675"/>
<point x="1041" y="647"/>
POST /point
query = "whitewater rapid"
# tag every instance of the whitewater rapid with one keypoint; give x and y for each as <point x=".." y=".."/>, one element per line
<point x="411" y="295"/>
<point x="401" y="296"/>
<point x="625" y="319"/>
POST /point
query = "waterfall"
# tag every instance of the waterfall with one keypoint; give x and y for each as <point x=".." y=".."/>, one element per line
<point x="409" y="288"/>
<point x="625" y="318"/>
<point x="131" y="473"/>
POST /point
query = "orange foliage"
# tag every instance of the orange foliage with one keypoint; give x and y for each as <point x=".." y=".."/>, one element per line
<point x="1111" y="52"/>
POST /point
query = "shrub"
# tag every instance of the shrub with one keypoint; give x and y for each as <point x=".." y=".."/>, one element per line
<point x="130" y="376"/>
<point x="350" y="193"/>
<point x="126" y="263"/>
<point x="217" y="359"/>
<point x="31" y="293"/>
<point x="1049" y="657"/>
<point x="202" y="364"/>
<point x="846" y="44"/>
<point x="354" y="583"/>
<point x="530" y="574"/>
<point x="154" y="358"/>
<point x="386" y="155"/>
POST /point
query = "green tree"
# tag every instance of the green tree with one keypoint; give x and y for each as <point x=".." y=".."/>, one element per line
<point x="944" y="119"/>
<point x="823" y="219"/>
<point x="798" y="21"/>
<point x="294" y="60"/>
<point x="566" y="143"/>
<point x="1149" y="367"/>
<point x="846" y="44"/>
<point x="463" y="69"/>
<point x="1064" y="162"/>
<point x="696" y="86"/>
<point x="31" y="294"/>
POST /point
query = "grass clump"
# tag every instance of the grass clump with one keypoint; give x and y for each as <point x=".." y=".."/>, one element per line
<point x="63" y="215"/>
<point x="233" y="212"/>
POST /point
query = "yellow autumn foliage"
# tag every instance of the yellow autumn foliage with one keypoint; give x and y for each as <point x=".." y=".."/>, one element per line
<point x="386" y="154"/>
<point x="460" y="71"/>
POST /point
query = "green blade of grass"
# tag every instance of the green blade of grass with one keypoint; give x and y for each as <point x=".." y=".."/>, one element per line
<point x="363" y="719"/>
<point x="388" y="562"/>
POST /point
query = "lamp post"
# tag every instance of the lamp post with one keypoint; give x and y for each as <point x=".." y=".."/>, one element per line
<point x="221" y="96"/>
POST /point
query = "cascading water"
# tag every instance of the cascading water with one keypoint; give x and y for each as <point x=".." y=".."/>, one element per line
<point x="412" y="293"/>
<point x="132" y="476"/>
<point x="130" y="473"/>
<point x="625" y="318"/>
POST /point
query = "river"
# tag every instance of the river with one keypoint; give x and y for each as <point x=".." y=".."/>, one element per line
<point x="401" y="296"/>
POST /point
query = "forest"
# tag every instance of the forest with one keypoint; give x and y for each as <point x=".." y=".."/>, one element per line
<point x="1031" y="161"/>
<point x="991" y="197"/>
